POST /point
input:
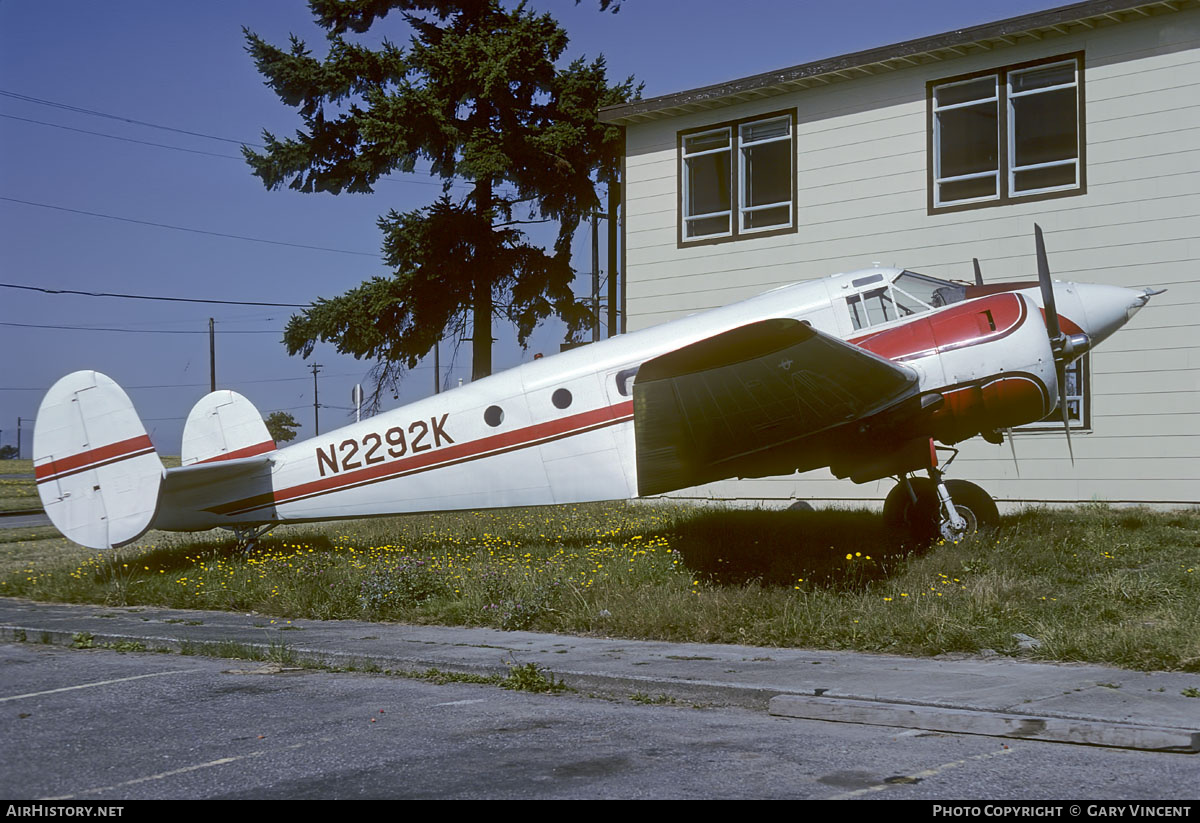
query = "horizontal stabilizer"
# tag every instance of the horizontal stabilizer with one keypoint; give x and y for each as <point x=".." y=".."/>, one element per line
<point x="224" y="426"/>
<point x="190" y="478"/>
<point x="190" y="493"/>
<point x="97" y="472"/>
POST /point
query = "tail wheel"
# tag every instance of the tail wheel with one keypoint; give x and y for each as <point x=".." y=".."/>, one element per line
<point x="974" y="504"/>
<point x="908" y="520"/>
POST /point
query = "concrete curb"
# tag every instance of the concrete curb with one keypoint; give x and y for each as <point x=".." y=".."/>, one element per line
<point x="1074" y="703"/>
<point x="970" y="721"/>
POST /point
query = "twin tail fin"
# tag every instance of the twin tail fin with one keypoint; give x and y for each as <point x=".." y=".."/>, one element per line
<point x="98" y="475"/>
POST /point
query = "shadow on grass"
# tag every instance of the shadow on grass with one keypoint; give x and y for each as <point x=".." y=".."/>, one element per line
<point x="180" y="556"/>
<point x="835" y="549"/>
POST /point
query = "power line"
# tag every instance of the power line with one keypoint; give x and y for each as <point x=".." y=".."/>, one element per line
<point x="39" y="101"/>
<point x="404" y="181"/>
<point x="234" y="382"/>
<point x="150" y="297"/>
<point x="184" y="417"/>
<point x="64" y="106"/>
<point x="138" y="331"/>
<point x="187" y="229"/>
<point x="117" y="137"/>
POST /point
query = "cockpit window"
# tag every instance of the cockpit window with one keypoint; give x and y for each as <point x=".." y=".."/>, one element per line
<point x="908" y="294"/>
<point x="929" y="290"/>
<point x="872" y="308"/>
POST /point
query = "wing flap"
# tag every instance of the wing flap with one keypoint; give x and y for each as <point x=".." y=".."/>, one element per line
<point x="714" y="409"/>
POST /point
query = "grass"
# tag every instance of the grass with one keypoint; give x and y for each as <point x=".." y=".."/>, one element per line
<point x="1114" y="586"/>
<point x="18" y="493"/>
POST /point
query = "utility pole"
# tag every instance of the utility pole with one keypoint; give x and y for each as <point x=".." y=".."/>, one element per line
<point x="614" y="200"/>
<point x="212" y="357"/>
<point x="19" y="420"/>
<point x="316" y="367"/>
<point x="437" y="368"/>
<point x="595" y="280"/>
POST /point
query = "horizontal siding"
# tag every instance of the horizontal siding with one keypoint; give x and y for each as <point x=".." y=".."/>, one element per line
<point x="1024" y="489"/>
<point x="862" y="189"/>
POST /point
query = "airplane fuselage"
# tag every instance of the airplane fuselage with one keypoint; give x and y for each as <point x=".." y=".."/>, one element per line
<point x="561" y="429"/>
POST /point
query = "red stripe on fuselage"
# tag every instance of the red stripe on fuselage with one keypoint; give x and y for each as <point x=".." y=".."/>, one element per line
<point x="450" y="455"/>
<point x="93" y="458"/>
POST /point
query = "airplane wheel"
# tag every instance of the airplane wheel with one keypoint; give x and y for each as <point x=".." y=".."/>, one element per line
<point x="910" y="522"/>
<point x="975" y="505"/>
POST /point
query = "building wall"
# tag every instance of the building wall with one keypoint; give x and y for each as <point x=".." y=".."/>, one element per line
<point x="861" y="157"/>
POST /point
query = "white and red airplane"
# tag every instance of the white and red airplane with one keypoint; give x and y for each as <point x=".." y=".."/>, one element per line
<point x="863" y="373"/>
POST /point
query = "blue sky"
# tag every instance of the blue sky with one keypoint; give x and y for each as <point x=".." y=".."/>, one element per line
<point x="183" y="65"/>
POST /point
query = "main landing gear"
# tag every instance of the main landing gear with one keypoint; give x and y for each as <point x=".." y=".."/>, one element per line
<point x="921" y="510"/>
<point x="247" y="536"/>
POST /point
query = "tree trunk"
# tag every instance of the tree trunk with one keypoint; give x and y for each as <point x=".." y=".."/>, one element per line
<point x="481" y="333"/>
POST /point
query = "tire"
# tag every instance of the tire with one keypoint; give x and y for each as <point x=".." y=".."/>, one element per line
<point x="918" y="524"/>
<point x="909" y="522"/>
<point x="975" y="505"/>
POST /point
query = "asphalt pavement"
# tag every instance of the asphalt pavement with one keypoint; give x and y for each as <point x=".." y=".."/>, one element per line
<point x="997" y="696"/>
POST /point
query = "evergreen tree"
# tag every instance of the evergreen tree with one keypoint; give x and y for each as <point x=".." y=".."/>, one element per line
<point x="281" y="426"/>
<point x="478" y="96"/>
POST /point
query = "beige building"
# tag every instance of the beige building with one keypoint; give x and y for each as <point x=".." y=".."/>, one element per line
<point x="926" y="154"/>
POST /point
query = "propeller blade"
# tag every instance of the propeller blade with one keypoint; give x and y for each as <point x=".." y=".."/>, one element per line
<point x="1052" y="326"/>
<point x="978" y="273"/>
<point x="1012" y="444"/>
<point x="1062" y="406"/>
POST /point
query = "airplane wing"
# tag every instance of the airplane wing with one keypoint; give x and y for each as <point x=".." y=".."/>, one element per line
<point x="744" y="402"/>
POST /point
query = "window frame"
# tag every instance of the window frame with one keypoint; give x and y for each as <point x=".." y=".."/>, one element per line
<point x="738" y="209"/>
<point x="1005" y="137"/>
<point x="1053" y="423"/>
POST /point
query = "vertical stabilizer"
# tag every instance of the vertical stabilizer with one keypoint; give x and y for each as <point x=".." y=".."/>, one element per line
<point x="224" y="426"/>
<point x="97" y="472"/>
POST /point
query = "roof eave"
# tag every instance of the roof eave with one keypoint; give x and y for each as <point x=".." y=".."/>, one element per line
<point x="948" y="45"/>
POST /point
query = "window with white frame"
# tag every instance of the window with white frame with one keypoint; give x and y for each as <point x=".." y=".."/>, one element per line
<point x="1007" y="135"/>
<point x="737" y="179"/>
<point x="1079" y="412"/>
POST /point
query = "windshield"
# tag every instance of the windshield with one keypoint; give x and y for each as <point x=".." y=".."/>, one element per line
<point x="908" y="294"/>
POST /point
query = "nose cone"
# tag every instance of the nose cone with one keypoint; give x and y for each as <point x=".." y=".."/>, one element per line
<point x="1106" y="308"/>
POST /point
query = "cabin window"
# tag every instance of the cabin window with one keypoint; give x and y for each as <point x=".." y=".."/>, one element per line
<point x="561" y="398"/>
<point x="737" y="179"/>
<point x="493" y="416"/>
<point x="1007" y="135"/>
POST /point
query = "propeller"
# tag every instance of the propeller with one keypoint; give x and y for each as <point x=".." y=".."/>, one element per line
<point x="1059" y="344"/>
<point x="1012" y="444"/>
<point x="978" y="272"/>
